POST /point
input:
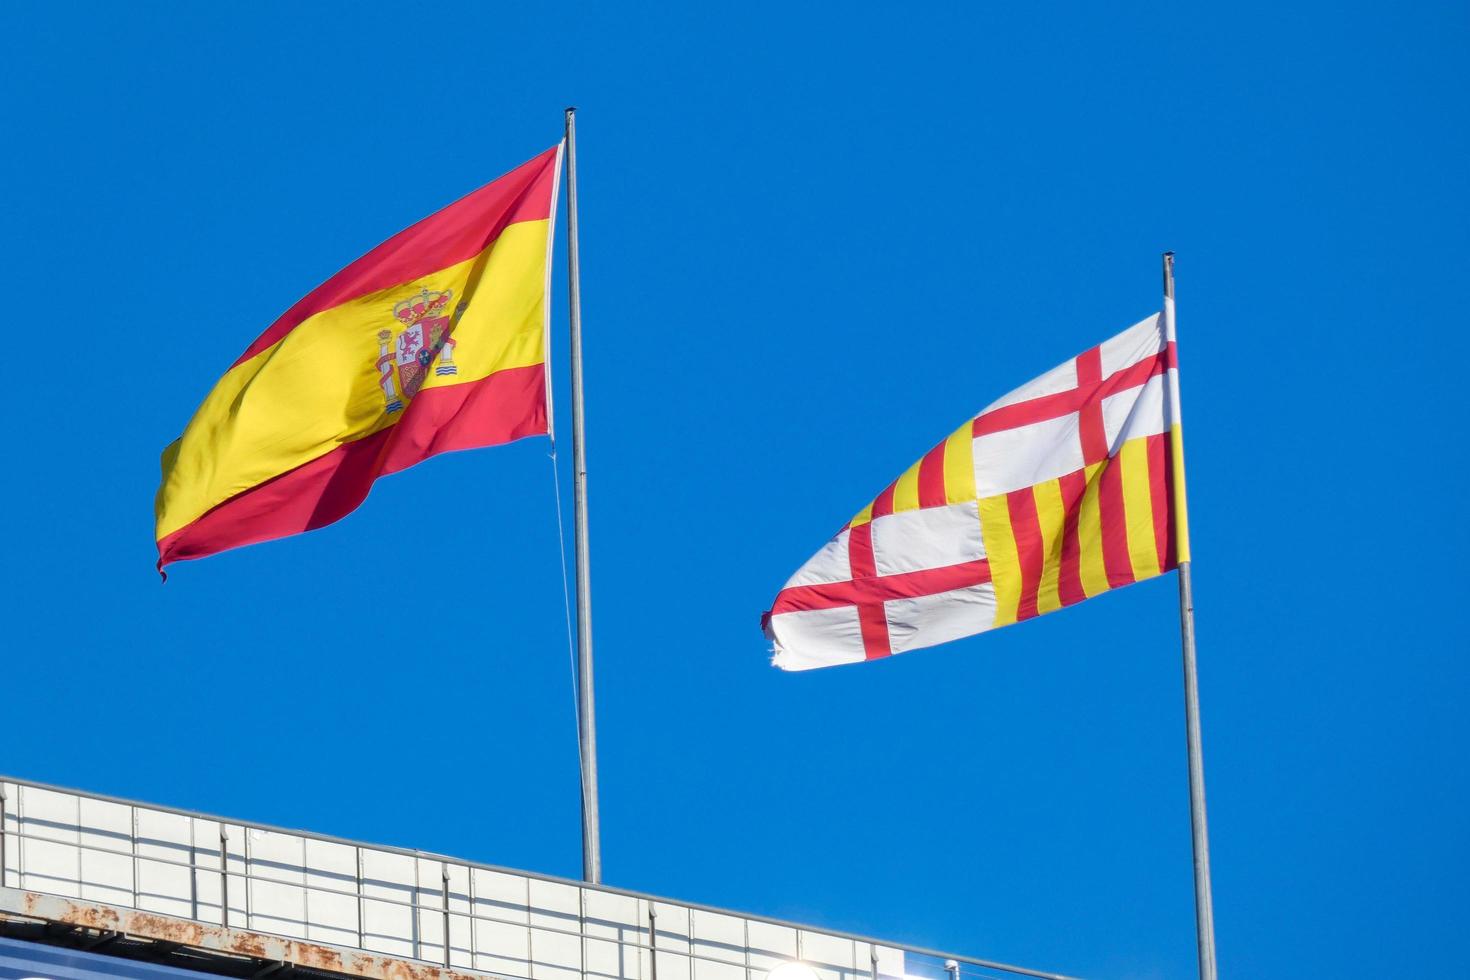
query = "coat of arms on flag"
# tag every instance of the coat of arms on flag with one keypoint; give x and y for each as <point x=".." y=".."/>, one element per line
<point x="425" y="336"/>
<point x="1067" y="487"/>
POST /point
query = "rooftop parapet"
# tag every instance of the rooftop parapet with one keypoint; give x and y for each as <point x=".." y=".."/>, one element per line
<point x="402" y="904"/>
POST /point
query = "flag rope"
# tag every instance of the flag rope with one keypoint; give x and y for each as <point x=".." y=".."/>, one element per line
<point x="566" y="590"/>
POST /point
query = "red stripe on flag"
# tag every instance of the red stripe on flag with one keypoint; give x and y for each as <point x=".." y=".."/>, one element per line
<point x="860" y="560"/>
<point x="931" y="478"/>
<point x="1062" y="403"/>
<point x="872" y="620"/>
<point x="1069" y="581"/>
<point x="1090" y="428"/>
<point x="451" y="235"/>
<point x="506" y="406"/>
<point x="905" y="585"/>
<point x="1029" y="547"/>
<point x="883" y="505"/>
<point x="1159" y="480"/>
<point x="1116" y="562"/>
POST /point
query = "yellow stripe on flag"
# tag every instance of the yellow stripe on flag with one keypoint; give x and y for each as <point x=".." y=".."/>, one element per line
<point x="1089" y="536"/>
<point x="906" y="491"/>
<point x="863" y="516"/>
<point x="1051" y="516"/>
<point x="959" y="467"/>
<point x="1138" y="507"/>
<point x="1005" y="560"/>
<point x="1181" y="511"/>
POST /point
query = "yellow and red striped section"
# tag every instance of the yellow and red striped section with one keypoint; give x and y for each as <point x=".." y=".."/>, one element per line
<point x="1064" y="540"/>
<point x="945" y="475"/>
<point x="433" y="341"/>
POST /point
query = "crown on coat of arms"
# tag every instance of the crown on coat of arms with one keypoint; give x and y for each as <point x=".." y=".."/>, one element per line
<point x="428" y="303"/>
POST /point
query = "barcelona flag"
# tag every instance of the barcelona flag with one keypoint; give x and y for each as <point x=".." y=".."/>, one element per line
<point x="1070" y="486"/>
<point x="435" y="340"/>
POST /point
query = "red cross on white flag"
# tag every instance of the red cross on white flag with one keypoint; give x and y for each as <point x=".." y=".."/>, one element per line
<point x="1069" y="486"/>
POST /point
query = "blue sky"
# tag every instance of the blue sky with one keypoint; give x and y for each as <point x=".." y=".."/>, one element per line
<point x="813" y="242"/>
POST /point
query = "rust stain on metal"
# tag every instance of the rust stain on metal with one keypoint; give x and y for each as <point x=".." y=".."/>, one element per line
<point x="90" y="916"/>
<point x="247" y="943"/>
<point x="165" y="927"/>
<point x="318" y="957"/>
<point x="203" y="935"/>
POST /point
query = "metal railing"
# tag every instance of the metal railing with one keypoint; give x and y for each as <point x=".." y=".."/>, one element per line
<point x="639" y="945"/>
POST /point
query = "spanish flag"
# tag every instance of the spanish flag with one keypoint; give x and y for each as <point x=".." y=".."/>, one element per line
<point x="433" y="341"/>
<point x="1071" y="485"/>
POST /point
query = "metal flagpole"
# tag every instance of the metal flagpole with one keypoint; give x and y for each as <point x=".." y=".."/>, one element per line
<point x="586" y="715"/>
<point x="1204" y="910"/>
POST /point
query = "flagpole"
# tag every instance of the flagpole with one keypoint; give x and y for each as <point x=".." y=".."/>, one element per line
<point x="1204" y="910"/>
<point x="586" y="714"/>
